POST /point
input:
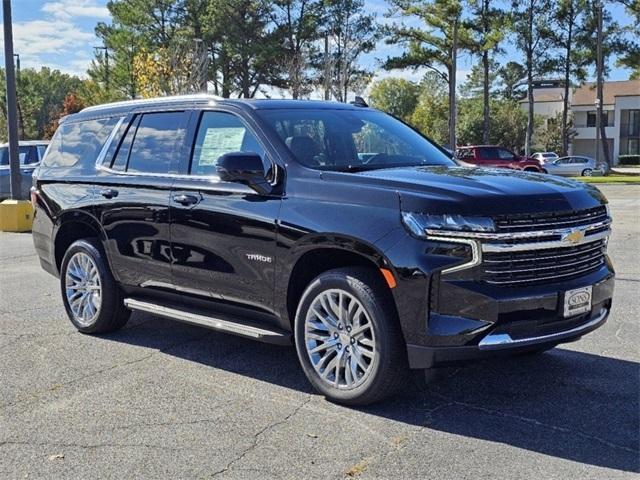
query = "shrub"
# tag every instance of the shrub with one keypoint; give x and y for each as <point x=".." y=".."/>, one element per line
<point x="629" y="160"/>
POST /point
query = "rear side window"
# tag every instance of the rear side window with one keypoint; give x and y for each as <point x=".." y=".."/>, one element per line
<point x="24" y="155"/>
<point x="154" y="142"/>
<point x="220" y="133"/>
<point x="487" y="153"/>
<point x="78" y="142"/>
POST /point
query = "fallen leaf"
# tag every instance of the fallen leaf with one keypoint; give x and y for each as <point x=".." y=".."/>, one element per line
<point x="57" y="456"/>
<point x="312" y="435"/>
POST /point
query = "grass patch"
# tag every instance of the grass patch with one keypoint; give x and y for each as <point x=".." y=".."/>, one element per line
<point x="611" y="179"/>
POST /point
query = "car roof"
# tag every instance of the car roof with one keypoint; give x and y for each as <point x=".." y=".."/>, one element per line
<point x="203" y="100"/>
<point x="27" y="143"/>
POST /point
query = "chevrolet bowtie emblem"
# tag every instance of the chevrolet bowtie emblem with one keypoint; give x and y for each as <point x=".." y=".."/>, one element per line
<point x="574" y="237"/>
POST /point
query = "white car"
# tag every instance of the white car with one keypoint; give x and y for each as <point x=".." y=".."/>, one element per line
<point x="545" y="157"/>
<point x="573" y="166"/>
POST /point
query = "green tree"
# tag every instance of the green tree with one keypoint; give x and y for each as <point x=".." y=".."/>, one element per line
<point x="531" y="19"/>
<point x="351" y="32"/>
<point x="136" y="26"/>
<point x="487" y="26"/>
<point x="244" y="45"/>
<point x="567" y="35"/>
<point x="508" y="126"/>
<point x="434" y="46"/>
<point x="298" y="25"/>
<point x="431" y="115"/>
<point x="551" y="133"/>
<point x="631" y="57"/>
<point x="41" y="95"/>
<point x="511" y="78"/>
<point x="396" y="96"/>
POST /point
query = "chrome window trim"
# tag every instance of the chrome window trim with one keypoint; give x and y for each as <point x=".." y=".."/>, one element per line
<point x="107" y="144"/>
<point x="476" y="254"/>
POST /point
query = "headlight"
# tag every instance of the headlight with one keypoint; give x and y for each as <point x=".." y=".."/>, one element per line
<point x="417" y="223"/>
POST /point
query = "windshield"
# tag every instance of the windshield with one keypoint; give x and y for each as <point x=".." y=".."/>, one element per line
<point x="352" y="140"/>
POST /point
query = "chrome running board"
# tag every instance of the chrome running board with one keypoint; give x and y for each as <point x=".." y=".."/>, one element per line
<point x="496" y="341"/>
<point x="220" y="322"/>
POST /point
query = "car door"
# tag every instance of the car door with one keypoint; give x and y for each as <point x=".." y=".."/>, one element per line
<point x="133" y="193"/>
<point x="223" y="234"/>
<point x="563" y="166"/>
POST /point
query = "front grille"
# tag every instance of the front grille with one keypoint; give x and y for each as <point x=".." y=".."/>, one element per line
<point x="548" y="221"/>
<point x="542" y="266"/>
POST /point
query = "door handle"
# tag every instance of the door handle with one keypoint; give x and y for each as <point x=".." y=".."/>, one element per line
<point x="186" y="200"/>
<point x="109" y="193"/>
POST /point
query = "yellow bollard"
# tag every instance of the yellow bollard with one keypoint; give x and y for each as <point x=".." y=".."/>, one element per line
<point x="16" y="216"/>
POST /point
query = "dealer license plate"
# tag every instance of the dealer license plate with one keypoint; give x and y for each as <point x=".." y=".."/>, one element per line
<point x="577" y="301"/>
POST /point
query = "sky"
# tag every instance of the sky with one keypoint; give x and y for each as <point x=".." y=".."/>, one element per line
<point x="60" y="34"/>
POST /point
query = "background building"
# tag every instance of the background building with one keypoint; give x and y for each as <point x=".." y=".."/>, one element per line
<point x="621" y="115"/>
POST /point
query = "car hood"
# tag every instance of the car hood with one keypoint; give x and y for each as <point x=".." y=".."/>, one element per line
<point x="482" y="191"/>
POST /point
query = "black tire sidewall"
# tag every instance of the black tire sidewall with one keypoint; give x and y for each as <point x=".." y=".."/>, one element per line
<point x="110" y="297"/>
<point x="379" y="313"/>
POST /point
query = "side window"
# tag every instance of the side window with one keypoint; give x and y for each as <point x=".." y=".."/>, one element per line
<point x="31" y="158"/>
<point x="78" y="142"/>
<point x="41" y="150"/>
<point x="505" y="154"/>
<point x="306" y="138"/>
<point x="487" y="153"/>
<point x="220" y="133"/>
<point x="122" y="156"/>
<point x="154" y="142"/>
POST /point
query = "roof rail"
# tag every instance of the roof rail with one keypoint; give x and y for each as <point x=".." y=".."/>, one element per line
<point x="147" y="101"/>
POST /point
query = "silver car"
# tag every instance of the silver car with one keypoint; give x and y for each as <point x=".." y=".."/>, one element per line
<point x="573" y="166"/>
<point x="30" y="152"/>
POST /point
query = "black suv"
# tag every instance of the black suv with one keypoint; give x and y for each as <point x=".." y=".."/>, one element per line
<point x="335" y="227"/>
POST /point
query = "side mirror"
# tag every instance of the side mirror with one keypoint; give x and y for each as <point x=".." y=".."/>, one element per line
<point x="246" y="168"/>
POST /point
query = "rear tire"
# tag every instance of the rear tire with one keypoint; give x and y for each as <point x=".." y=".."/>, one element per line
<point x="348" y="338"/>
<point x="90" y="294"/>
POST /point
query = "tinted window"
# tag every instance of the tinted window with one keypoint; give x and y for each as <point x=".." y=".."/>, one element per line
<point x="78" y="142"/>
<point x="121" y="158"/>
<point x="220" y="133"/>
<point x="351" y="139"/>
<point x="487" y="153"/>
<point x="23" y="155"/>
<point x="505" y="154"/>
<point x="41" y="150"/>
<point x="154" y="142"/>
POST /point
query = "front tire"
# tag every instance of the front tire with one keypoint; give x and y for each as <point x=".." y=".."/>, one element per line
<point x="348" y="339"/>
<point x="90" y="294"/>
<point x="587" y="172"/>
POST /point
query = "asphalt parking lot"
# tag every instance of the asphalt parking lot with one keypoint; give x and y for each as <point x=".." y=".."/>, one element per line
<point x="161" y="399"/>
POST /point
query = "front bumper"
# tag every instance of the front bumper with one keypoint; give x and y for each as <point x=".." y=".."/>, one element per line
<point x="531" y="320"/>
<point x="497" y="344"/>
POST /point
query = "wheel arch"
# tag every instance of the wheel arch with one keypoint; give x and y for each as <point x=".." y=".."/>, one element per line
<point x="72" y="226"/>
<point x="319" y="254"/>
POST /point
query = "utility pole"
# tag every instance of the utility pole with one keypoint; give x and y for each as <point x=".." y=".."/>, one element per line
<point x="598" y="80"/>
<point x="12" y="110"/>
<point x="327" y="69"/>
<point x="452" y="87"/>
<point x="106" y="66"/>
<point x="601" y="136"/>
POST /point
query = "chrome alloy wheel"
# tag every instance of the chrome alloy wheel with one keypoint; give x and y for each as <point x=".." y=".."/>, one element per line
<point x="339" y="339"/>
<point x="83" y="288"/>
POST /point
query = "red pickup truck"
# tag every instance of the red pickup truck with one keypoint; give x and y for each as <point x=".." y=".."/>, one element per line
<point x="494" y="156"/>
